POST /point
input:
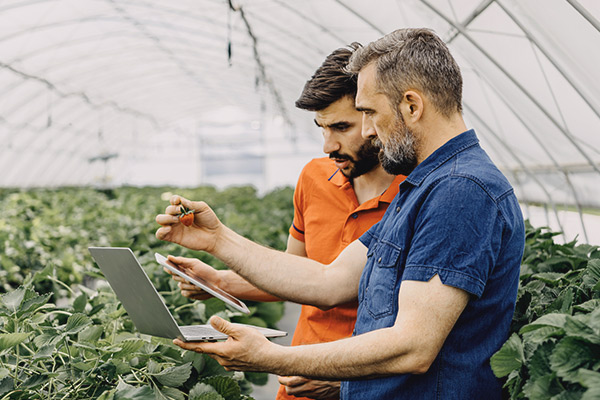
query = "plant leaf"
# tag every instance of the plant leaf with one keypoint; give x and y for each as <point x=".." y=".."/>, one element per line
<point x="203" y="391"/>
<point x="509" y="357"/>
<point x="174" y="376"/>
<point x="6" y="385"/>
<point x="554" y="319"/>
<point x="8" y="340"/>
<point x="170" y="393"/>
<point x="12" y="300"/>
<point x="76" y="323"/>
<point x="128" y="392"/>
<point x="569" y="355"/>
<point x="225" y="386"/>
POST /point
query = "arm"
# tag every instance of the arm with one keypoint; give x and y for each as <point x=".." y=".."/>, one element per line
<point x="286" y="276"/>
<point x="427" y="313"/>
<point x="226" y="279"/>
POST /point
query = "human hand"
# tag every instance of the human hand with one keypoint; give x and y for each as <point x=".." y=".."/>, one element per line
<point x="246" y="349"/>
<point x="194" y="267"/>
<point x="203" y="232"/>
<point x="300" y="386"/>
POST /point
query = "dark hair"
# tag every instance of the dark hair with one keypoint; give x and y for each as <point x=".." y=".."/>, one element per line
<point x="413" y="59"/>
<point x="330" y="81"/>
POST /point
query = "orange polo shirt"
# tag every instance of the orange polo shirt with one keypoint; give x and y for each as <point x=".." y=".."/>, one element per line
<point x="327" y="218"/>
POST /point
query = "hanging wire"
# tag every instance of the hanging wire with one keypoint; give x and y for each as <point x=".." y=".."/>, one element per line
<point x="263" y="76"/>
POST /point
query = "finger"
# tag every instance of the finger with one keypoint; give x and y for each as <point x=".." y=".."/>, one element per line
<point x="175" y="200"/>
<point x="196" y="296"/>
<point x="183" y="285"/>
<point x="166" y="219"/>
<point x="225" y="327"/>
<point x="199" y="347"/>
<point x="197" y="206"/>
<point x="163" y="232"/>
<point x="183" y="262"/>
<point x="292" y="381"/>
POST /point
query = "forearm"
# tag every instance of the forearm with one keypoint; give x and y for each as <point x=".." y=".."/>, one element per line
<point x="283" y="275"/>
<point x="361" y="356"/>
<point x="237" y="286"/>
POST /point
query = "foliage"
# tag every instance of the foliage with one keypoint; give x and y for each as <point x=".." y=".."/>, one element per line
<point x="554" y="348"/>
<point x="62" y="337"/>
<point x="87" y="350"/>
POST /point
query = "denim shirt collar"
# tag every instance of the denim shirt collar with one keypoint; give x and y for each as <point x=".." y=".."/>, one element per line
<point x="440" y="156"/>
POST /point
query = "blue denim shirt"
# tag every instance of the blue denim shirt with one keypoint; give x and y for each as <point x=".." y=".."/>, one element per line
<point x="456" y="216"/>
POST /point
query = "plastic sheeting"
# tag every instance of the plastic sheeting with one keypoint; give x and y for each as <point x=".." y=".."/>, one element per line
<point x="151" y="92"/>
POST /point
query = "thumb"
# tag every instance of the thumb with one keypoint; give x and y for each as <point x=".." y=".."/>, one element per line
<point x="223" y="326"/>
<point x="197" y="206"/>
<point x="181" y="261"/>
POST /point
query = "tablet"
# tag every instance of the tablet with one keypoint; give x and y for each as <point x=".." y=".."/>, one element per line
<point x="201" y="283"/>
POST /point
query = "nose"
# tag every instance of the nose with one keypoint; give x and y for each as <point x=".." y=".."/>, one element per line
<point x="330" y="143"/>
<point x="368" y="128"/>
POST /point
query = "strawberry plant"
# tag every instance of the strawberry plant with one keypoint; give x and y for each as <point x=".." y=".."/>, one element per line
<point x="61" y="337"/>
<point x="554" y="349"/>
<point x="87" y="350"/>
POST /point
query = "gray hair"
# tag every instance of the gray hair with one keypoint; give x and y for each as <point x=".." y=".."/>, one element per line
<point x="414" y="59"/>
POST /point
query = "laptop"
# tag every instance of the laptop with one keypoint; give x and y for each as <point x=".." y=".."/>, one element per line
<point x="145" y="306"/>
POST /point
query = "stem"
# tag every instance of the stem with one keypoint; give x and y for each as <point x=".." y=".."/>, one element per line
<point x="53" y="279"/>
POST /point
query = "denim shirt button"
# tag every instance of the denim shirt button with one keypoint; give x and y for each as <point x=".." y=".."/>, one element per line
<point x="379" y="260"/>
<point x="398" y="209"/>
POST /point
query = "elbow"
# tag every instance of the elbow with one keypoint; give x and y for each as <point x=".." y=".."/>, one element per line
<point x="422" y="362"/>
<point x="422" y="367"/>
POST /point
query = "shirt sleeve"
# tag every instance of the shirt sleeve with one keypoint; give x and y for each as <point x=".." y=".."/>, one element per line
<point x="457" y="236"/>
<point x="297" y="227"/>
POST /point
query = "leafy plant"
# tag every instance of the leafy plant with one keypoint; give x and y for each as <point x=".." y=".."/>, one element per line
<point x="60" y="337"/>
<point x="554" y="349"/>
<point x="87" y="350"/>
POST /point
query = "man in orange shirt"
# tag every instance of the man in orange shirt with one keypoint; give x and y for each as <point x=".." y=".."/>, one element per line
<point x="336" y="200"/>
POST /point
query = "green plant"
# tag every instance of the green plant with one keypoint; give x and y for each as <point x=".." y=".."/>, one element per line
<point x="87" y="350"/>
<point x="45" y="233"/>
<point x="554" y="349"/>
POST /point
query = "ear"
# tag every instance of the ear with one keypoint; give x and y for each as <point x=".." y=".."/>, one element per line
<point x="412" y="106"/>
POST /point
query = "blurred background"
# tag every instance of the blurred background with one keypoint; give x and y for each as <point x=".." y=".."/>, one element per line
<point x="109" y="94"/>
<point x="194" y="92"/>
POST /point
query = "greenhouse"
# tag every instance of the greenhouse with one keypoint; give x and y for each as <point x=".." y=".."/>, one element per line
<point x="109" y="108"/>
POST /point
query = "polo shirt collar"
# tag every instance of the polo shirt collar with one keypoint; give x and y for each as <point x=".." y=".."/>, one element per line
<point x="440" y="156"/>
<point x="341" y="181"/>
<point x="338" y="178"/>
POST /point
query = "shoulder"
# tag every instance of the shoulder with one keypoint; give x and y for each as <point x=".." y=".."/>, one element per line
<point x="470" y="174"/>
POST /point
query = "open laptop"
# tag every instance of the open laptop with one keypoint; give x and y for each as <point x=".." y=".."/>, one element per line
<point x="145" y="306"/>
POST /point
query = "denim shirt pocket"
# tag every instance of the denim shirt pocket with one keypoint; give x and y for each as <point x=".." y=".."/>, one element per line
<point x="380" y="293"/>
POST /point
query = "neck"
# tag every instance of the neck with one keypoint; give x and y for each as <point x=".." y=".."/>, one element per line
<point x="443" y="130"/>
<point x="371" y="184"/>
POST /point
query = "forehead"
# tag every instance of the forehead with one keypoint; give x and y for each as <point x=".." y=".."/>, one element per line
<point x="367" y="95"/>
<point x="340" y="110"/>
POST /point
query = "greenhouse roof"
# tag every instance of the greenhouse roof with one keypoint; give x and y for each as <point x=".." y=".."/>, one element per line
<point x="187" y="92"/>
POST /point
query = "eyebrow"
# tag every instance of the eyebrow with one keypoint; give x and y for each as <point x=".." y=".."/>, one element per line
<point x="336" y="125"/>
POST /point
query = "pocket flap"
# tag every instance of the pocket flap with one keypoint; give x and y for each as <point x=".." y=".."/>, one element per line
<point x="386" y="255"/>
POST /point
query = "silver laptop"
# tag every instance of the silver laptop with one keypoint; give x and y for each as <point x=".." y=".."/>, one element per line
<point x="145" y="306"/>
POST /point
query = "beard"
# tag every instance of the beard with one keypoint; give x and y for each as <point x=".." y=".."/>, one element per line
<point x="399" y="155"/>
<point x="367" y="158"/>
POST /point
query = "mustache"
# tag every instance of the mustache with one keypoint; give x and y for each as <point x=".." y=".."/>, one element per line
<point x="340" y="156"/>
<point x="376" y="142"/>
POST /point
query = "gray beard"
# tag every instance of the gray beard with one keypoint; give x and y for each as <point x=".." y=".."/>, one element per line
<point x="399" y="155"/>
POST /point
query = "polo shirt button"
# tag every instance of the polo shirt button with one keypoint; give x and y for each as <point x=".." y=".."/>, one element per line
<point x="398" y="209"/>
<point x="355" y="215"/>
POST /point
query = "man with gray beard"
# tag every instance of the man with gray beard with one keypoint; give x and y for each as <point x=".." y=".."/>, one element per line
<point x="436" y="278"/>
